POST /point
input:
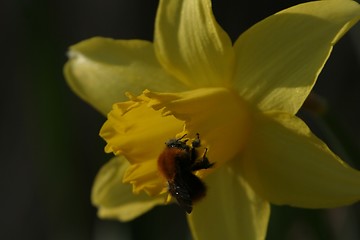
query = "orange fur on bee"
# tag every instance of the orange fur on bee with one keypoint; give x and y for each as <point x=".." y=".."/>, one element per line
<point x="166" y="162"/>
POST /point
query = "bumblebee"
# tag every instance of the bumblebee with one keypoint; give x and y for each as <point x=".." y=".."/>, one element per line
<point x="177" y="163"/>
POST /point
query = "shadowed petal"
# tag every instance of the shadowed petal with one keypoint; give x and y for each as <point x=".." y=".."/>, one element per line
<point x="231" y="210"/>
<point x="115" y="199"/>
<point x="286" y="164"/>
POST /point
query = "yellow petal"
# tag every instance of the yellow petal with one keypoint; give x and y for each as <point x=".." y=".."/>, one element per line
<point x="101" y="70"/>
<point x="280" y="58"/>
<point x="231" y="210"/>
<point x="220" y="117"/>
<point x="145" y="177"/>
<point x="139" y="133"/>
<point x="190" y="44"/>
<point x="286" y="164"/>
<point x="115" y="199"/>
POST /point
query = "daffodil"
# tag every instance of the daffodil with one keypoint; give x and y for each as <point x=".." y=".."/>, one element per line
<point x="241" y="98"/>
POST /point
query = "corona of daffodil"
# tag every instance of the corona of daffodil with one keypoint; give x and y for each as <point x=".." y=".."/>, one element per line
<point x="242" y="98"/>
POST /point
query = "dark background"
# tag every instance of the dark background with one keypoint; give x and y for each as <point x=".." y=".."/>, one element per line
<point x="49" y="138"/>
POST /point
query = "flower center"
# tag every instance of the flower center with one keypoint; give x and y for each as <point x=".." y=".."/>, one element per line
<point x="220" y="116"/>
<point x="139" y="128"/>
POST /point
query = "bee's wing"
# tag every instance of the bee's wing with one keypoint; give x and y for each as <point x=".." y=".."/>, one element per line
<point x="179" y="189"/>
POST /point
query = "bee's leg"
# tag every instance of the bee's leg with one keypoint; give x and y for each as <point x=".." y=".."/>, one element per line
<point x="180" y="138"/>
<point x="194" y="153"/>
<point x="203" y="163"/>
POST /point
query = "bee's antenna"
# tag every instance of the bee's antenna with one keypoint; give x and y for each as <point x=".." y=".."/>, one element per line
<point x="181" y="137"/>
<point x="204" y="156"/>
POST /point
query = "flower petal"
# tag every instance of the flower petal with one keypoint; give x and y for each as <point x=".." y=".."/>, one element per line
<point x="190" y="44"/>
<point x="220" y="117"/>
<point x="286" y="164"/>
<point x="139" y="133"/>
<point x="231" y="210"/>
<point x="280" y="58"/>
<point x="115" y="199"/>
<point x="101" y="70"/>
<point x="145" y="177"/>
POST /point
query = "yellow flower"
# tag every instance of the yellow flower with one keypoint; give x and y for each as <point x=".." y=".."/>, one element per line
<point x="241" y="98"/>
